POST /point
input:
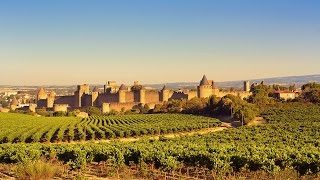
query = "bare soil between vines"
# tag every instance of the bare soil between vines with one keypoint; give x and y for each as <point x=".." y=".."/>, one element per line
<point x="227" y="122"/>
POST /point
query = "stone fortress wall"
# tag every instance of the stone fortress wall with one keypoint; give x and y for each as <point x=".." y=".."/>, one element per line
<point x="117" y="98"/>
<point x="60" y="107"/>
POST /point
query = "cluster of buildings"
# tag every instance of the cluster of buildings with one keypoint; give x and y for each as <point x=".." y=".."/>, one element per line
<point x="114" y="97"/>
<point x="127" y="97"/>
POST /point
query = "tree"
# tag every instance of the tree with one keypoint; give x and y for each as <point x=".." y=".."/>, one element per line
<point x="240" y="109"/>
<point x="93" y="111"/>
<point x="174" y="106"/>
<point x="246" y="112"/>
<point x="311" y="92"/>
<point x="144" y="108"/>
<point x="212" y="104"/>
<point x="309" y="86"/>
<point x="157" y="108"/>
<point x="261" y="95"/>
<point x="292" y="87"/>
<point x="195" y="105"/>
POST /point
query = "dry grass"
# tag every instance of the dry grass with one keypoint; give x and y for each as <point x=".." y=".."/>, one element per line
<point x="36" y="170"/>
<point x="43" y="169"/>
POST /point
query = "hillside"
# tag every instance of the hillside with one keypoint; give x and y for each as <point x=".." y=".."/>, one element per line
<point x="298" y="80"/>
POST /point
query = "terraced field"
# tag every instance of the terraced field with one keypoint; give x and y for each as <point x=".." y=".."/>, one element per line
<point x="24" y="128"/>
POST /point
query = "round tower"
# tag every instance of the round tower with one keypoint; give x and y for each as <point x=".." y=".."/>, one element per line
<point x="246" y="86"/>
<point x="50" y="99"/>
<point x="165" y="93"/>
<point x="204" y="89"/>
<point x="142" y="95"/>
<point x="122" y="93"/>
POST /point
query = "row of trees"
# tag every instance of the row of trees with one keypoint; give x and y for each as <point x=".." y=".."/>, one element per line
<point x="262" y="97"/>
<point x="310" y="93"/>
<point x="227" y="105"/>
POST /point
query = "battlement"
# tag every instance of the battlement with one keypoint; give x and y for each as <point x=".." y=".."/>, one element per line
<point x="127" y="97"/>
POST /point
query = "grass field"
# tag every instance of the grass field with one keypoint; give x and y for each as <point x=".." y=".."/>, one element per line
<point x="26" y="128"/>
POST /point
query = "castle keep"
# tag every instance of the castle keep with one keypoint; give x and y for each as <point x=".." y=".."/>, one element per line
<point x="123" y="97"/>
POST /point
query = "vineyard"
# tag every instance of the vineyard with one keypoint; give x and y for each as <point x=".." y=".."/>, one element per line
<point x="23" y="128"/>
<point x="290" y="140"/>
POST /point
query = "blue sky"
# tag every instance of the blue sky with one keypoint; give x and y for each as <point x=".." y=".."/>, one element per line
<point x="156" y="41"/>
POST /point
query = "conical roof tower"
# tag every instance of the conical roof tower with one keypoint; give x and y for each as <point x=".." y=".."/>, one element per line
<point x="204" y="81"/>
<point x="41" y="91"/>
<point x="95" y="89"/>
<point x="122" y="87"/>
<point x="14" y="102"/>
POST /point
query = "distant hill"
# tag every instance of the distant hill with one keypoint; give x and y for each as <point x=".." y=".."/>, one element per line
<point x="298" y="80"/>
<point x="286" y="81"/>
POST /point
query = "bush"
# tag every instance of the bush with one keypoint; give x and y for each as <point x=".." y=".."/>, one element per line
<point x="39" y="169"/>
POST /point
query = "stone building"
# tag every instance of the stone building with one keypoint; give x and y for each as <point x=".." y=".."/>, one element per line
<point x="286" y="95"/>
<point x="123" y="97"/>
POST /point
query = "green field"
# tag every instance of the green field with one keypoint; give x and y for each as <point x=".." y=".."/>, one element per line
<point x="290" y="140"/>
<point x="25" y="128"/>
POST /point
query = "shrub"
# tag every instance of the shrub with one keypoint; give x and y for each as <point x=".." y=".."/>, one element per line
<point x="39" y="169"/>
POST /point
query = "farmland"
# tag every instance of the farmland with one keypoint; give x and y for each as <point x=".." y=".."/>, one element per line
<point x="24" y="128"/>
<point x="290" y="140"/>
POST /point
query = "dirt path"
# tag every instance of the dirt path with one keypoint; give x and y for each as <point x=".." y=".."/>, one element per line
<point x="132" y="139"/>
<point x="228" y="121"/>
<point x="257" y="121"/>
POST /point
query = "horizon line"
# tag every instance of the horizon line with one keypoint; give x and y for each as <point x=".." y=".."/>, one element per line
<point x="46" y="85"/>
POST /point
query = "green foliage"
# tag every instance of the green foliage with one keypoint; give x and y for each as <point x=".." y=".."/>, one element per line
<point x="310" y="92"/>
<point x="24" y="128"/>
<point x="212" y="104"/>
<point x="42" y="112"/>
<point x="309" y="86"/>
<point x="290" y="140"/>
<point x="59" y="114"/>
<point x="174" y="106"/>
<point x="195" y="106"/>
<point x="73" y="113"/>
<point x="91" y="110"/>
<point x="157" y="108"/>
<point x="261" y="95"/>
<point x="234" y="105"/>
<point x="113" y="112"/>
<point x="144" y="108"/>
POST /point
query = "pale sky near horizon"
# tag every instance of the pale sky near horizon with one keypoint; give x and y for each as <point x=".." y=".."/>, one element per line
<point x="80" y="41"/>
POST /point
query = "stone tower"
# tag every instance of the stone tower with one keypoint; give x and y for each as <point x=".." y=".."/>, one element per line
<point x="246" y="86"/>
<point x="81" y="89"/>
<point x="94" y="95"/>
<point x="122" y="93"/>
<point x="41" y="94"/>
<point x="205" y="88"/>
<point x="14" y="104"/>
<point x="164" y="93"/>
<point x="50" y="99"/>
<point x="142" y="95"/>
<point x="110" y="87"/>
